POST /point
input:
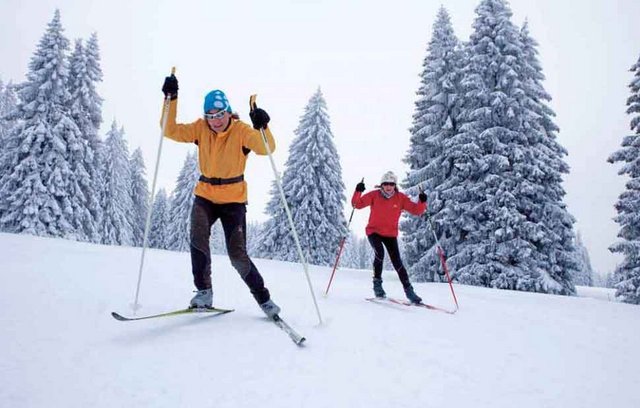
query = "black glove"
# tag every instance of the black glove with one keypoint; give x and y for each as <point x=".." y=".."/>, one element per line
<point x="360" y="187"/>
<point x="422" y="197"/>
<point x="170" y="87"/>
<point x="259" y="118"/>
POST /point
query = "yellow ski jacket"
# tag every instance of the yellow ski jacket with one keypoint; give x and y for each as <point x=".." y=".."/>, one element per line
<point x="220" y="155"/>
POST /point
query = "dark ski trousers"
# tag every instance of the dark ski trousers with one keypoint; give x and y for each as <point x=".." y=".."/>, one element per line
<point x="233" y="217"/>
<point x="391" y="243"/>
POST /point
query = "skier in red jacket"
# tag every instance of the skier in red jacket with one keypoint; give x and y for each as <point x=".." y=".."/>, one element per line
<point x="387" y="204"/>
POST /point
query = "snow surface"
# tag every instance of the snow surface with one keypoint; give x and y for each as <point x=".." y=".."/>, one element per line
<point x="61" y="348"/>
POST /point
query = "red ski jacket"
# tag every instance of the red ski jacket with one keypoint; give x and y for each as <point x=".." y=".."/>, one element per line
<point x="385" y="212"/>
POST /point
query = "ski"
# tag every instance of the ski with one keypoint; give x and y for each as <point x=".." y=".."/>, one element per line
<point x="385" y="301"/>
<point x="297" y="338"/>
<point x="407" y="303"/>
<point x="214" y="311"/>
<point x="430" y="307"/>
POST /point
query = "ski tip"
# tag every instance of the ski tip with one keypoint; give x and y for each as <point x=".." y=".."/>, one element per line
<point x="118" y="317"/>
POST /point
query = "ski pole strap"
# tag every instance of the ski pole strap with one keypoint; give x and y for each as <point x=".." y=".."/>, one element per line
<point x="216" y="181"/>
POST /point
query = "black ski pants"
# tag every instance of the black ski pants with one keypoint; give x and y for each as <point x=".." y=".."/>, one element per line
<point x="204" y="214"/>
<point x="391" y="243"/>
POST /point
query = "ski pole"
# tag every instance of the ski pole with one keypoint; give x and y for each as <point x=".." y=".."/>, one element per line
<point x="252" y="106"/>
<point x="335" y="265"/>
<point x="443" y="259"/>
<point x="165" y="115"/>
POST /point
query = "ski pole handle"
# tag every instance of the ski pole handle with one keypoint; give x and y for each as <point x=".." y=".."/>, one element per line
<point x="252" y="106"/>
<point x="353" y="208"/>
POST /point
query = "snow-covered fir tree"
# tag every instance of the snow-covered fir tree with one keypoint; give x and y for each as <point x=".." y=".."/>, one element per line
<point x="276" y="229"/>
<point x="8" y="119"/>
<point x="627" y="273"/>
<point x="159" y="221"/>
<point x="358" y="254"/>
<point x="86" y="110"/>
<point x="496" y="203"/>
<point x="366" y="255"/>
<point x="117" y="228"/>
<point x="254" y="229"/>
<point x="139" y="196"/>
<point x="349" y="258"/>
<point x="604" y="281"/>
<point x="429" y="157"/>
<point x="181" y="203"/>
<point x="45" y="192"/>
<point x="312" y="183"/>
<point x="94" y="73"/>
<point x="584" y="276"/>
<point x="217" y="242"/>
<point x="8" y="112"/>
<point x="553" y="235"/>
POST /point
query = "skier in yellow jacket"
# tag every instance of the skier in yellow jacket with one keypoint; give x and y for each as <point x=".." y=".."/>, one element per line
<point x="224" y="143"/>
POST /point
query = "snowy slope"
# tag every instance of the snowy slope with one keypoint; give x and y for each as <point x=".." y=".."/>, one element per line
<point x="61" y="348"/>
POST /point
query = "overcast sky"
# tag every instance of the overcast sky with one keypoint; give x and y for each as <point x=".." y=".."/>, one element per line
<point x="365" y="56"/>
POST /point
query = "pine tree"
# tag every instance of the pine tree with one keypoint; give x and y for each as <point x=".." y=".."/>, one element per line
<point x="275" y="234"/>
<point x="93" y="76"/>
<point x="94" y="110"/>
<point x="435" y="122"/>
<point x="584" y="275"/>
<point x="603" y="281"/>
<point x="8" y="110"/>
<point x="44" y="193"/>
<point x="254" y="230"/>
<point x="86" y="111"/>
<point x="350" y="256"/>
<point x="181" y="203"/>
<point x="139" y="196"/>
<point x="496" y="185"/>
<point x="627" y="273"/>
<point x="217" y="242"/>
<point x="541" y="195"/>
<point x="116" y="196"/>
<point x="359" y="254"/>
<point x="8" y="120"/>
<point x="159" y="221"/>
<point x="366" y="254"/>
<point x="314" y="190"/>
<point x="8" y="104"/>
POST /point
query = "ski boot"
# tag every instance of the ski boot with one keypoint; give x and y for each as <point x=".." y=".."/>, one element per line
<point x="202" y="300"/>
<point x="377" y="288"/>
<point x="270" y="309"/>
<point x="411" y="295"/>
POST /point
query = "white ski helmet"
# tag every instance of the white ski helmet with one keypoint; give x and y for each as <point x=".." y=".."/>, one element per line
<point x="389" y="177"/>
